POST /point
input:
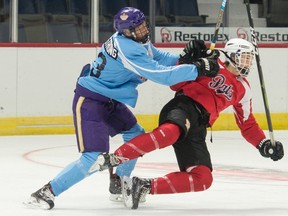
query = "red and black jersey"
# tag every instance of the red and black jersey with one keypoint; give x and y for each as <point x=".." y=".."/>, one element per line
<point x="220" y="92"/>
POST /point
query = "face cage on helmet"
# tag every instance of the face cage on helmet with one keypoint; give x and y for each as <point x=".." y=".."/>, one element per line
<point x="243" y="62"/>
<point x="145" y="38"/>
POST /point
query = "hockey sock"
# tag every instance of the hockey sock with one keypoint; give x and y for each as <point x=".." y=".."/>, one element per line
<point x="73" y="173"/>
<point x="125" y="169"/>
<point x="197" y="179"/>
<point x="165" y="135"/>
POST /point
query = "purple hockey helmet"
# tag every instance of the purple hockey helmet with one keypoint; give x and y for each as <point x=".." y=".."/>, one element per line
<point x="128" y="18"/>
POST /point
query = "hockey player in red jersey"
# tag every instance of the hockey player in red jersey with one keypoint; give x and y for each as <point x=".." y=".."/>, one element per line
<point x="183" y="123"/>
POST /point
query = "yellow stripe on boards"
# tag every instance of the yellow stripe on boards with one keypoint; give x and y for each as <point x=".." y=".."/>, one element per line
<point x="36" y="125"/>
<point x="64" y="124"/>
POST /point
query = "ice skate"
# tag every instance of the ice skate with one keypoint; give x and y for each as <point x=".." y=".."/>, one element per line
<point x="42" y="198"/>
<point x="106" y="161"/>
<point x="126" y="191"/>
<point x="115" y="188"/>
<point x="135" y="191"/>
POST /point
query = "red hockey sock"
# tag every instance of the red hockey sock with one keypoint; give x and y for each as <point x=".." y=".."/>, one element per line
<point x="198" y="179"/>
<point x="165" y="135"/>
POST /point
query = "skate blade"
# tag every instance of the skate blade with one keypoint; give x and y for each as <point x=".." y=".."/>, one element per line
<point x="116" y="197"/>
<point x="126" y="191"/>
<point x="119" y="198"/>
<point x="32" y="203"/>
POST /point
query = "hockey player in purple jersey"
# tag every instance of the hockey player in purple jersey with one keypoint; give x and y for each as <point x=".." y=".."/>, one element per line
<point x="105" y="87"/>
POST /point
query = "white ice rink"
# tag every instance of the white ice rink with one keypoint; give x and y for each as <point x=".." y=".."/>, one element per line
<point x="245" y="183"/>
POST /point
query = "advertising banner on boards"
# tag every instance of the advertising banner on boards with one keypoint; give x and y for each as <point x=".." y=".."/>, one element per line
<point x="184" y="34"/>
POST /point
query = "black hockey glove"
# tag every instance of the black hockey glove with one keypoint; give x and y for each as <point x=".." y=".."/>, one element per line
<point x="212" y="54"/>
<point x="267" y="150"/>
<point x="207" y="67"/>
<point x="192" y="51"/>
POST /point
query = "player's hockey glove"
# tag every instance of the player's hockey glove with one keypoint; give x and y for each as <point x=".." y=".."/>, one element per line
<point x="212" y="54"/>
<point x="267" y="150"/>
<point x="207" y="67"/>
<point x="192" y="51"/>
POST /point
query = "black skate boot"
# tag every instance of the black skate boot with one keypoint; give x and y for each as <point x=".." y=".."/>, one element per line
<point x="115" y="188"/>
<point x="42" y="198"/>
<point x="140" y="188"/>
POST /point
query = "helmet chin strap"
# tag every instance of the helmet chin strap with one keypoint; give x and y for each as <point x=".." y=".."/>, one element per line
<point x="230" y="59"/>
<point x="133" y="36"/>
<point x="242" y="71"/>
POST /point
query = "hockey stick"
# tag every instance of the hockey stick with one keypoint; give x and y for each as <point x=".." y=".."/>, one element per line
<point x="260" y="73"/>
<point x="218" y="24"/>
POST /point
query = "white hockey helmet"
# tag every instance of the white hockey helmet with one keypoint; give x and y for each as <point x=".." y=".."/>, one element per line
<point x="240" y="53"/>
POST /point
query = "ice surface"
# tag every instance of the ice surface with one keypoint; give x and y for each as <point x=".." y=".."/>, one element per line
<point x="245" y="183"/>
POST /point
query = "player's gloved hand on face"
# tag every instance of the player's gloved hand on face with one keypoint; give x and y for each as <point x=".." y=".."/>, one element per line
<point x="192" y="51"/>
<point x="266" y="149"/>
<point x="207" y="67"/>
